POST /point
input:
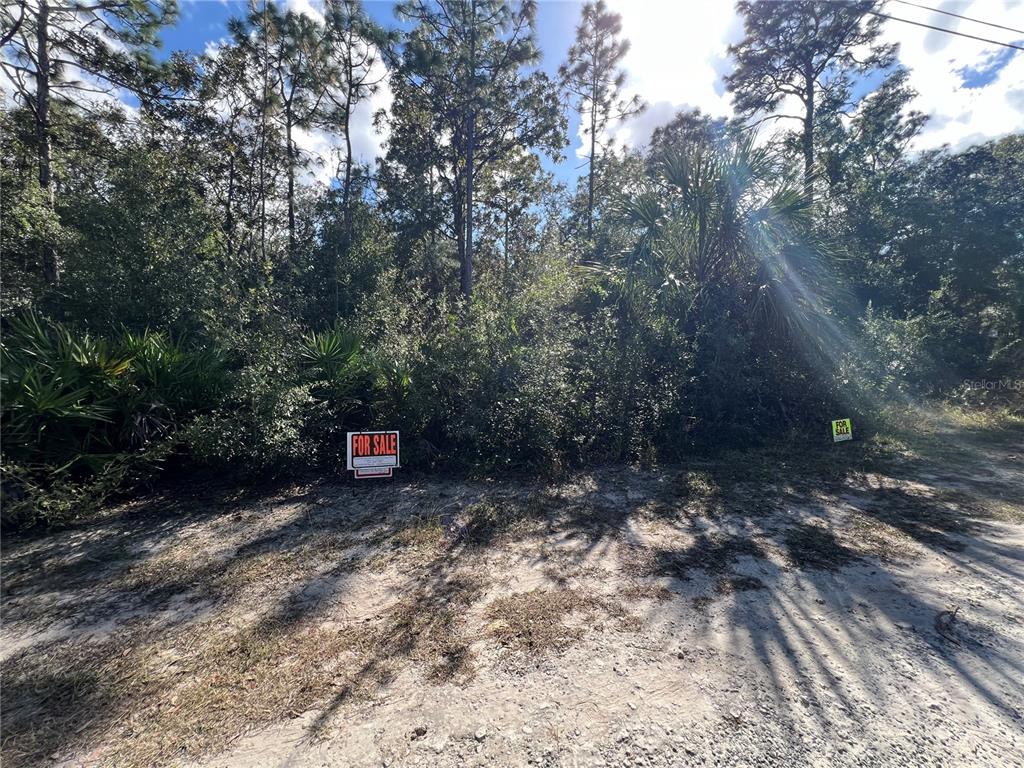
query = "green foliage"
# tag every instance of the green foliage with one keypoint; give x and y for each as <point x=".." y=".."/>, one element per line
<point x="175" y="288"/>
<point x="257" y="427"/>
<point x="31" y="496"/>
<point x="468" y="96"/>
<point x="77" y="407"/>
<point x="331" y="355"/>
<point x="147" y="252"/>
<point x="258" y="431"/>
<point x="593" y="79"/>
<point x="340" y="376"/>
<point x="723" y="268"/>
<point x="498" y="382"/>
<point x="894" y="361"/>
<point x="806" y="51"/>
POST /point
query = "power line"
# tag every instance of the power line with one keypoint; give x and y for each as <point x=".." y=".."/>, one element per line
<point x="957" y="15"/>
<point x="947" y="31"/>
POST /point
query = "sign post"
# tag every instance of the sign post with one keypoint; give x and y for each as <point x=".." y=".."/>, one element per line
<point x="373" y="454"/>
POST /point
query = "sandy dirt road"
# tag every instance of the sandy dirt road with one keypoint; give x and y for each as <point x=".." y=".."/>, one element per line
<point x="854" y="608"/>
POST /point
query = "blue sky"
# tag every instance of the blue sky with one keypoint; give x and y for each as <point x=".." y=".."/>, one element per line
<point x="973" y="91"/>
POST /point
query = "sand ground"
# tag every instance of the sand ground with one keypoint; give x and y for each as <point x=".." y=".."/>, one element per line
<point x="853" y="605"/>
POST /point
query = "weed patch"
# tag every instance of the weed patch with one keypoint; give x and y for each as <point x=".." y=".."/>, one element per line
<point x="542" y="621"/>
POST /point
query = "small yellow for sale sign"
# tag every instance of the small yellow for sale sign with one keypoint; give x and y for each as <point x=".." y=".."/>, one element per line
<point x="842" y="430"/>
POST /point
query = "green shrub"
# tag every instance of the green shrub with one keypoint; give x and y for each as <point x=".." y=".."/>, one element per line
<point x="493" y="380"/>
<point x="258" y="424"/>
<point x="79" y="409"/>
<point x="892" y="361"/>
<point x="259" y="430"/>
<point x="338" y="374"/>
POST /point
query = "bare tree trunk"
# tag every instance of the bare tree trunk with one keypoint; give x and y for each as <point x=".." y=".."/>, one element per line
<point x="436" y="283"/>
<point x="51" y="265"/>
<point x="467" y="262"/>
<point x="263" y="140"/>
<point x="346" y="192"/>
<point x="229" y="213"/>
<point x="460" y="219"/>
<point x="590" y="176"/>
<point x="808" y="134"/>
<point x="507" y="260"/>
<point x="291" y="184"/>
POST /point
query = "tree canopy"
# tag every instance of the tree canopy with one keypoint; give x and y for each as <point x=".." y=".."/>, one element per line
<point x="215" y="276"/>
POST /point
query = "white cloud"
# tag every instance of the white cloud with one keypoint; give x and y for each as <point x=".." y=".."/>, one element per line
<point x="679" y="55"/>
<point x="960" y="115"/>
<point x="367" y="143"/>
<point x="311" y="8"/>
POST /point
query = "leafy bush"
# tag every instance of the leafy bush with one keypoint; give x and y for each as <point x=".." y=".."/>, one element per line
<point x="258" y="430"/>
<point x="339" y="375"/>
<point x="77" y="408"/>
<point x="892" y="361"/>
<point x="493" y="381"/>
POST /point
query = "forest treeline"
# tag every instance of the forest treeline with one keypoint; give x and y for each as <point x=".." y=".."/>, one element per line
<point x="177" y="291"/>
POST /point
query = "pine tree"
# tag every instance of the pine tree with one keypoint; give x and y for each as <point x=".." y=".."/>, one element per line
<point x="593" y="77"/>
<point x="464" y="64"/>
<point x="300" y="71"/>
<point x="72" y="51"/>
<point x="355" y="43"/>
<point x="803" y="49"/>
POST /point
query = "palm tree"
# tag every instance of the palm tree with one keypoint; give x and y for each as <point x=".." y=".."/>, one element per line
<point x="719" y="246"/>
<point x="728" y="226"/>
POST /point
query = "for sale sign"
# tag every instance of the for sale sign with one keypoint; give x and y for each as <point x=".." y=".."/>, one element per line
<point x="373" y="454"/>
<point x="842" y="430"/>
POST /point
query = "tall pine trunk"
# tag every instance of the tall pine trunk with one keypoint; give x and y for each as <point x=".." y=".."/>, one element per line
<point x="291" y="186"/>
<point x="346" y="192"/>
<point x="466" y="277"/>
<point x="590" y="175"/>
<point x="264" y="107"/>
<point x="808" y="133"/>
<point x="459" y="212"/>
<point x="466" y="281"/>
<point x="229" y="208"/>
<point x="51" y="266"/>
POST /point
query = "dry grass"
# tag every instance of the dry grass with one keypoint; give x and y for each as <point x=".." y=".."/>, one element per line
<point x="872" y="538"/>
<point x="229" y="684"/>
<point x="164" y="689"/>
<point x="712" y="552"/>
<point x="697" y="490"/>
<point x="815" y="546"/>
<point x="924" y="518"/>
<point x="647" y="591"/>
<point x="702" y="602"/>
<point x="421" y="533"/>
<point x="155" y="697"/>
<point x="541" y="621"/>
<point x="1003" y="500"/>
<point x="147" y="698"/>
<point x="428" y="628"/>
<point x="489" y="521"/>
